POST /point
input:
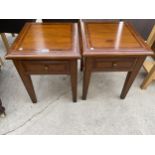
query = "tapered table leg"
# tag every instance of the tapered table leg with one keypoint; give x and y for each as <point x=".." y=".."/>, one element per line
<point x="131" y="77"/>
<point x="73" y="74"/>
<point x="26" y="80"/>
<point x="86" y="78"/>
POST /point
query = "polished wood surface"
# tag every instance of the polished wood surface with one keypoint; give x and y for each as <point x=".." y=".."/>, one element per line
<point x="46" y="40"/>
<point x="39" y="37"/>
<point x="48" y="48"/>
<point x="112" y="38"/>
<point x="112" y="46"/>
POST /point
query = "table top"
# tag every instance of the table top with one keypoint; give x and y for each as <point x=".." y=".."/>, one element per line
<point x="112" y="38"/>
<point x="46" y="41"/>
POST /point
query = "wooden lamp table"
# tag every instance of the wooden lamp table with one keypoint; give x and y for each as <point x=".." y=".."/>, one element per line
<point x="111" y="46"/>
<point x="46" y="48"/>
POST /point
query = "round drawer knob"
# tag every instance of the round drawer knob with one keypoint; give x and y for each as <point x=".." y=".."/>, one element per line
<point x="114" y="64"/>
<point x="46" y="68"/>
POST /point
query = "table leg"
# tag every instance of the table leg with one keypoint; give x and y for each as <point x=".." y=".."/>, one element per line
<point x="26" y="78"/>
<point x="86" y="78"/>
<point x="131" y="77"/>
<point x="2" y="109"/>
<point x="73" y="74"/>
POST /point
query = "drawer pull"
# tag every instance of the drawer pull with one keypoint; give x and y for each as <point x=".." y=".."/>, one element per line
<point x="114" y="64"/>
<point x="46" y="68"/>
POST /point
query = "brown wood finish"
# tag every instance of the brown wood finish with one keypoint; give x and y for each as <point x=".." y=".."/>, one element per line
<point x="48" y="48"/>
<point x="121" y="39"/>
<point x="46" y="67"/>
<point x="113" y="64"/>
<point x="86" y="76"/>
<point x="112" y="46"/>
<point x="26" y="78"/>
<point x="131" y="76"/>
<point x="80" y="46"/>
<point x="73" y="73"/>
<point x="46" y="41"/>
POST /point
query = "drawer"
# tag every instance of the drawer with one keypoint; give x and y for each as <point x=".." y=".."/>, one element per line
<point x="112" y="64"/>
<point x="46" y="67"/>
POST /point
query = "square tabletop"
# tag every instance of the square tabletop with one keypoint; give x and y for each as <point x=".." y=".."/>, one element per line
<point x="112" y="38"/>
<point x="46" y="41"/>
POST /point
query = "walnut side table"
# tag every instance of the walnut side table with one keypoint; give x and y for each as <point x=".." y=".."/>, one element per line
<point x="111" y="46"/>
<point x="46" y="48"/>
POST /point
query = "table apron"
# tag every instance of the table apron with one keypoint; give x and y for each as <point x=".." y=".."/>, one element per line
<point x="46" y="67"/>
<point x="113" y="64"/>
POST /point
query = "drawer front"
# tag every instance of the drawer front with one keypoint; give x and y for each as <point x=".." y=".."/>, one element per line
<point x="46" y="67"/>
<point x="113" y="64"/>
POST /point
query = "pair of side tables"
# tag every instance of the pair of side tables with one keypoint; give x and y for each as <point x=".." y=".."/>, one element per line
<point x="54" y="48"/>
